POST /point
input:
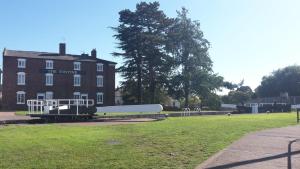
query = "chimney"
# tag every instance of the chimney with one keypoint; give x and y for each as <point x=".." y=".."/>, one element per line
<point x="94" y="53"/>
<point x="62" y="49"/>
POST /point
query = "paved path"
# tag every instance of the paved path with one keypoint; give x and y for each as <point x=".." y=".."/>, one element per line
<point x="12" y="116"/>
<point x="268" y="149"/>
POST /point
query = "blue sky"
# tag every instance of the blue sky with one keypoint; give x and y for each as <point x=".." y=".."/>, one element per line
<point x="249" y="38"/>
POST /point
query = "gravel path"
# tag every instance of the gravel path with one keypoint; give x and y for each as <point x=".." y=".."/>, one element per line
<point x="268" y="149"/>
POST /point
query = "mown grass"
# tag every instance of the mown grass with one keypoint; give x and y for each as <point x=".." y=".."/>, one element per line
<point x="172" y="143"/>
<point x="21" y="113"/>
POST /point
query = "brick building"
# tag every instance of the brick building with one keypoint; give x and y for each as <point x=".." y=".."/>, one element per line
<point x="44" y="75"/>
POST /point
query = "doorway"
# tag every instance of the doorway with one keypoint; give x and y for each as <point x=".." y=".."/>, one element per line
<point x="84" y="98"/>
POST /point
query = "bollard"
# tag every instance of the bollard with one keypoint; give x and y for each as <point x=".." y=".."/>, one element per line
<point x="298" y="118"/>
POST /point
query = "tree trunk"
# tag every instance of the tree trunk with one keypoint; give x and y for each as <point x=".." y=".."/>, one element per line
<point x="187" y="78"/>
<point x="186" y="94"/>
<point x="139" y="80"/>
<point x="152" y="85"/>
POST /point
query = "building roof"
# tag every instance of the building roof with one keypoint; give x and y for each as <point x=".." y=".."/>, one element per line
<point x="52" y="56"/>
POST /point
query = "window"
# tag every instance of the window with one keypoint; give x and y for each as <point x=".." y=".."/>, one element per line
<point x="77" y="65"/>
<point x="99" y="81"/>
<point x="99" y="67"/>
<point x="49" y="64"/>
<point x="40" y="96"/>
<point x="20" y="97"/>
<point x="49" y="79"/>
<point x="99" y="98"/>
<point x="76" y="80"/>
<point x="21" y="78"/>
<point x="49" y="95"/>
<point x="76" y="95"/>
<point x="21" y="63"/>
<point x="84" y="96"/>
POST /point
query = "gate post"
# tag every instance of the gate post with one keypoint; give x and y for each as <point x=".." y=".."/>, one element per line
<point x="298" y="118"/>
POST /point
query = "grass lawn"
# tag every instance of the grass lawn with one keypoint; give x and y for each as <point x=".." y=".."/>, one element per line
<point x="172" y="143"/>
<point x="21" y="113"/>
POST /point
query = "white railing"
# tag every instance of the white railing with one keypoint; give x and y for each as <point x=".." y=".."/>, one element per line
<point x="186" y="112"/>
<point x="44" y="106"/>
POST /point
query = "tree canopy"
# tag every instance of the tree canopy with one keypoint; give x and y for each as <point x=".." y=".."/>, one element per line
<point x="279" y="81"/>
<point x="163" y="54"/>
<point x="193" y="73"/>
<point x="142" y="36"/>
<point x="240" y="95"/>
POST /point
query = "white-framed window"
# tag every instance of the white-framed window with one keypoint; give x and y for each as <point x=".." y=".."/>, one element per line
<point x="99" y="81"/>
<point x="21" y="78"/>
<point x="76" y="95"/>
<point x="77" y="80"/>
<point x="49" y="95"/>
<point x="49" y="64"/>
<point x="77" y="65"/>
<point x="99" y="98"/>
<point x="99" y="67"/>
<point x="40" y="96"/>
<point x="21" y="63"/>
<point x="20" y="97"/>
<point x="49" y="79"/>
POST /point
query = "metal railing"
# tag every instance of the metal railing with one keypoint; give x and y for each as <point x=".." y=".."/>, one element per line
<point x="44" y="106"/>
<point x="186" y="112"/>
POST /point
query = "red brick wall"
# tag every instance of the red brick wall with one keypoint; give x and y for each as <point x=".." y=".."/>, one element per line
<point x="62" y="88"/>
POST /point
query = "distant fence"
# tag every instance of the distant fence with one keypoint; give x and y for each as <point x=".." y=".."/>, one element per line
<point x="144" y="108"/>
<point x="291" y="100"/>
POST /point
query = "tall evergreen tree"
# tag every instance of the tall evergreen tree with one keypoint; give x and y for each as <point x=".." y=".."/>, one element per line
<point x="194" y="67"/>
<point x="142" y="38"/>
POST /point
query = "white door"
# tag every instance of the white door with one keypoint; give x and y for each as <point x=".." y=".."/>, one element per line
<point x="254" y="107"/>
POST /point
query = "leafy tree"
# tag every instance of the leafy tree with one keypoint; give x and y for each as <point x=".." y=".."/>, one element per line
<point x="194" y="67"/>
<point x="212" y="101"/>
<point x="281" y="80"/>
<point x="194" y="101"/>
<point x="142" y="38"/>
<point x="229" y="85"/>
<point x="238" y="96"/>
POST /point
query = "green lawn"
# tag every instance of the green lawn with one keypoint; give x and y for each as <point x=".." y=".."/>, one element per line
<point x="172" y="143"/>
<point x="21" y="113"/>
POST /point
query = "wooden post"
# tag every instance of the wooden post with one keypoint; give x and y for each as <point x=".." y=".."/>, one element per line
<point x="298" y="118"/>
